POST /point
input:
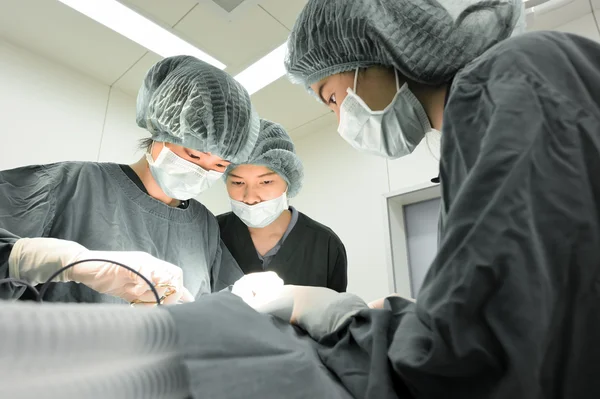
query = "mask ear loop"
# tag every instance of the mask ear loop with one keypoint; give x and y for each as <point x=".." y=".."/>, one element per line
<point x="152" y="146"/>
<point x="355" y="80"/>
<point x="397" y="80"/>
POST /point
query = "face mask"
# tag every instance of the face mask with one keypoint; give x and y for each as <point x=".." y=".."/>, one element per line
<point x="393" y="132"/>
<point x="262" y="214"/>
<point x="178" y="178"/>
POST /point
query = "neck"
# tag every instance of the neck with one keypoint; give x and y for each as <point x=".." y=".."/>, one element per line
<point x="142" y="169"/>
<point x="278" y="227"/>
<point x="432" y="99"/>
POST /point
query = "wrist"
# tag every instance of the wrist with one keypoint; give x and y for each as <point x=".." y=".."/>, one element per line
<point x="35" y="260"/>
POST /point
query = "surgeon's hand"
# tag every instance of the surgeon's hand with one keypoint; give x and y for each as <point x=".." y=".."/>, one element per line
<point x="301" y="300"/>
<point x="317" y="310"/>
<point x="36" y="259"/>
<point x="258" y="288"/>
<point x="109" y="278"/>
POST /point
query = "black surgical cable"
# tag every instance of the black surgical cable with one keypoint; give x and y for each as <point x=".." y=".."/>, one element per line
<point x="9" y="280"/>
<point x="58" y="272"/>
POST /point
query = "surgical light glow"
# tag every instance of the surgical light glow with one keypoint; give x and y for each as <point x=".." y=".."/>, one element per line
<point x="264" y="71"/>
<point x="139" y="29"/>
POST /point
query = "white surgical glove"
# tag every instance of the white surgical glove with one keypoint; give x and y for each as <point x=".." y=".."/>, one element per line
<point x="36" y="259"/>
<point x="257" y="288"/>
<point x="318" y="310"/>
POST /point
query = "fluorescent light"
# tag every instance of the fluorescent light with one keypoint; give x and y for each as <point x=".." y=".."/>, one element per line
<point x="264" y="71"/>
<point x="141" y="30"/>
<point x="544" y="6"/>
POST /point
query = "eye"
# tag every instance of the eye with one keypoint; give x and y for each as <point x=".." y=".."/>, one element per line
<point x="332" y="100"/>
<point x="236" y="183"/>
<point x="193" y="156"/>
<point x="267" y="182"/>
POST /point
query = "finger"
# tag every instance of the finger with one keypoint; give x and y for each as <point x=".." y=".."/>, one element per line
<point x="145" y="293"/>
<point x="187" y="296"/>
<point x="378" y="304"/>
<point x="242" y="289"/>
<point x="181" y="296"/>
<point x="174" y="282"/>
<point x="143" y="305"/>
<point x="133" y="295"/>
<point x="135" y="278"/>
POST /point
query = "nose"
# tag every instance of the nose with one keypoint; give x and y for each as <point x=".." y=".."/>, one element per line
<point x="251" y="197"/>
<point x="208" y="164"/>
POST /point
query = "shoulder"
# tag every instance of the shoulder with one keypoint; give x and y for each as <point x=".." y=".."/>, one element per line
<point x="76" y="169"/>
<point x="225" y="219"/>
<point x="319" y="228"/>
<point x="540" y="42"/>
<point x="532" y="53"/>
<point x="200" y="209"/>
<point x="53" y="172"/>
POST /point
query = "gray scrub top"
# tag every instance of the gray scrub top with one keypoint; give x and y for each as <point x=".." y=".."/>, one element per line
<point x="98" y="206"/>
<point x="510" y="307"/>
<point x="268" y="257"/>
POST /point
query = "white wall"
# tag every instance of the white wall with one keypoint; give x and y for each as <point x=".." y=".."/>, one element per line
<point x="343" y="190"/>
<point x="51" y="113"/>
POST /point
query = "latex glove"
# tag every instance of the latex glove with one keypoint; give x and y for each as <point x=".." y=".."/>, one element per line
<point x="317" y="310"/>
<point x="36" y="259"/>
<point x="257" y="288"/>
<point x="378" y="304"/>
<point x="109" y="278"/>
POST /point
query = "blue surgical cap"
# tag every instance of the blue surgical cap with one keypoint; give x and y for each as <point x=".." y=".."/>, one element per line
<point x="275" y="150"/>
<point x="427" y="41"/>
<point x="188" y="102"/>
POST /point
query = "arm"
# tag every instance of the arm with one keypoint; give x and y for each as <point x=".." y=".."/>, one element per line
<point x="517" y="221"/>
<point x="225" y="270"/>
<point x="28" y="202"/>
<point x="517" y="262"/>
<point x="338" y="263"/>
<point x="26" y="210"/>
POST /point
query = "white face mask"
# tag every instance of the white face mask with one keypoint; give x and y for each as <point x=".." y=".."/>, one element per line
<point x="393" y="132"/>
<point x="178" y="178"/>
<point x="262" y="214"/>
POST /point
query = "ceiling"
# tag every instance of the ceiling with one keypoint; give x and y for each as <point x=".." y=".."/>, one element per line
<point x="238" y="39"/>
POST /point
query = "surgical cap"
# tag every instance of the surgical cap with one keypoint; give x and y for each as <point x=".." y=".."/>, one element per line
<point x="427" y="41"/>
<point x="275" y="150"/>
<point x="188" y="102"/>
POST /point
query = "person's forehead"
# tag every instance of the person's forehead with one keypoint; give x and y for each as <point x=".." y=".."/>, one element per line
<point x="332" y="83"/>
<point x="252" y="170"/>
<point x="212" y="156"/>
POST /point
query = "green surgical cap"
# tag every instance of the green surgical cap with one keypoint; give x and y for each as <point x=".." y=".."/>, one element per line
<point x="275" y="150"/>
<point x="188" y="102"/>
<point x="427" y="41"/>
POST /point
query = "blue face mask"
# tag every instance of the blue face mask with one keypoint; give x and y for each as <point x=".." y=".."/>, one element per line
<point x="178" y="178"/>
<point x="262" y="214"/>
<point x="391" y="133"/>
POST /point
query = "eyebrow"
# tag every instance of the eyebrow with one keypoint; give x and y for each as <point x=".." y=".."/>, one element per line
<point x="321" y="93"/>
<point x="263" y="175"/>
